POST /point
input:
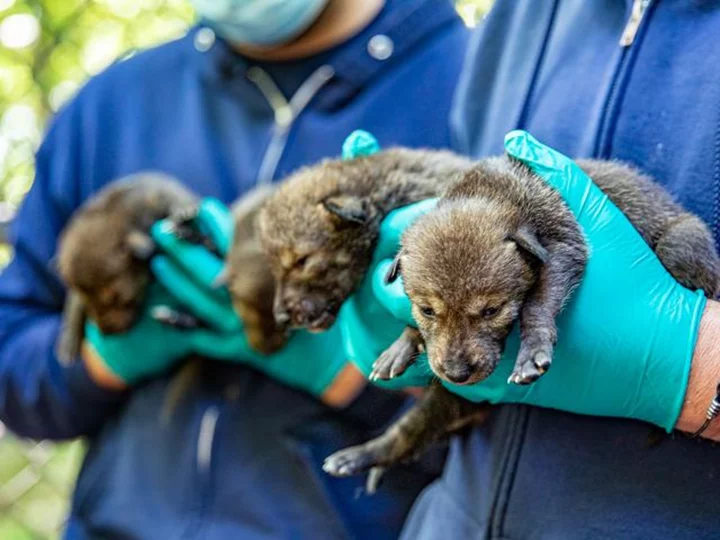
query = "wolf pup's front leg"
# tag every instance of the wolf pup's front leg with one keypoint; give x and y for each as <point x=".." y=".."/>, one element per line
<point x="562" y="266"/>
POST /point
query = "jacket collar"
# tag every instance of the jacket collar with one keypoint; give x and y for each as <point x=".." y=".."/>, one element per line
<point x="409" y="24"/>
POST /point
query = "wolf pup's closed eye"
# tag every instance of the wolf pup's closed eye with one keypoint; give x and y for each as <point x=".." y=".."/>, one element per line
<point x="320" y="227"/>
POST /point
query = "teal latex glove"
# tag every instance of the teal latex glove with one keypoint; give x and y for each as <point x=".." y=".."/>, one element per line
<point x="359" y="143"/>
<point x="150" y="347"/>
<point x="189" y="271"/>
<point x="627" y="335"/>
<point x="369" y="326"/>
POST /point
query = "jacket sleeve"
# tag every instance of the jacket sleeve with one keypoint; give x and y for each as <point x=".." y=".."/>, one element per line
<point x="39" y="397"/>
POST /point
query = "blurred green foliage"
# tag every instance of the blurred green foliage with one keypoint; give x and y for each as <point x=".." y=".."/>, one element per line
<point x="48" y="48"/>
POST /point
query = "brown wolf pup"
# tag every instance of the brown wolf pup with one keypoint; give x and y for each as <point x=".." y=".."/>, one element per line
<point x="502" y="245"/>
<point x="103" y="254"/>
<point x="249" y="277"/>
<point x="103" y="258"/>
<point x="320" y="227"/>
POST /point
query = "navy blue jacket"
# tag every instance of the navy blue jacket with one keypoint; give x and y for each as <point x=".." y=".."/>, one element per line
<point x="242" y="457"/>
<point x="555" y="68"/>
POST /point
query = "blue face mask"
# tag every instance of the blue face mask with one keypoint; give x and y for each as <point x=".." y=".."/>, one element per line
<point x="259" y="22"/>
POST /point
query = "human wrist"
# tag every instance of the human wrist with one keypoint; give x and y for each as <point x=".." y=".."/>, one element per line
<point x="704" y="375"/>
<point x="347" y="385"/>
<point x="99" y="371"/>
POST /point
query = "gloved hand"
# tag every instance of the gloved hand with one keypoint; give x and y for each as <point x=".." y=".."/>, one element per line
<point x="188" y="271"/>
<point x="151" y="347"/>
<point x="369" y="326"/>
<point x="627" y="335"/>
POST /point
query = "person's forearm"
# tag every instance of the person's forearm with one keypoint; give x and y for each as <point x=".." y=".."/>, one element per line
<point x="704" y="375"/>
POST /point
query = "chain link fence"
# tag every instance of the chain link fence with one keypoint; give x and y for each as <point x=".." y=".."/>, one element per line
<point x="48" y="48"/>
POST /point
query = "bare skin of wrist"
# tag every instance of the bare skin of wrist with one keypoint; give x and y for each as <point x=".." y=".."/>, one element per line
<point x="345" y="388"/>
<point x="348" y="385"/>
<point x="704" y="375"/>
<point x="98" y="371"/>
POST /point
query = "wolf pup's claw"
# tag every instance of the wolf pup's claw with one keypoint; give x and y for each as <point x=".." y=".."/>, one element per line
<point x="374" y="480"/>
<point x="532" y="363"/>
<point x="399" y="356"/>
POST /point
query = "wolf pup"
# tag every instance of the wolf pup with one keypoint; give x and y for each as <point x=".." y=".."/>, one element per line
<point x="103" y="254"/>
<point x="249" y="277"/>
<point x="320" y="228"/>
<point x="501" y="245"/>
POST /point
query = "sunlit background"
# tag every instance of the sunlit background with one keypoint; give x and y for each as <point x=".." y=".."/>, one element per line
<point x="48" y="48"/>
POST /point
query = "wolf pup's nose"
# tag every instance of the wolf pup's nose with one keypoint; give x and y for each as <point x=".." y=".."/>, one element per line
<point x="309" y="308"/>
<point x="457" y="374"/>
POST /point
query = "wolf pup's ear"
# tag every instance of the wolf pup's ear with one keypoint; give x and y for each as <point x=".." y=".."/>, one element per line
<point x="349" y="209"/>
<point x="528" y="242"/>
<point x="141" y="245"/>
<point x="394" y="271"/>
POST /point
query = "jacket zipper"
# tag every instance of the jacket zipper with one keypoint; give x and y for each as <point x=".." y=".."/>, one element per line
<point x="206" y="437"/>
<point x="627" y="39"/>
<point x="519" y="417"/>
<point x="639" y="9"/>
<point x="716" y="181"/>
<point x="286" y="112"/>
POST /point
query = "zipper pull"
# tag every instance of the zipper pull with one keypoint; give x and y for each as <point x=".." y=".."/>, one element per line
<point x="631" y="28"/>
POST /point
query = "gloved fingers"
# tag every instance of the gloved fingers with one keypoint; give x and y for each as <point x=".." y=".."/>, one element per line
<point x="214" y="309"/>
<point x="391" y="295"/>
<point x="359" y="143"/>
<point x="233" y="347"/>
<point x="195" y="260"/>
<point x="214" y="219"/>
<point x="596" y="213"/>
<point x="558" y="170"/>
<point x="394" y="225"/>
<point x="610" y="234"/>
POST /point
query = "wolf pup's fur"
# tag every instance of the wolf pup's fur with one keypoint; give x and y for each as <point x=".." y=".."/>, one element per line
<point x="320" y="230"/>
<point x="321" y="226"/>
<point x="103" y="254"/>
<point x="502" y="244"/>
<point x="103" y="258"/>
<point x="249" y="277"/>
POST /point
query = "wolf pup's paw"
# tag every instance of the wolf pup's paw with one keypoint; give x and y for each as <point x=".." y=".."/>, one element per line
<point x="395" y="360"/>
<point x="533" y="361"/>
<point x="352" y="461"/>
<point x="399" y="356"/>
